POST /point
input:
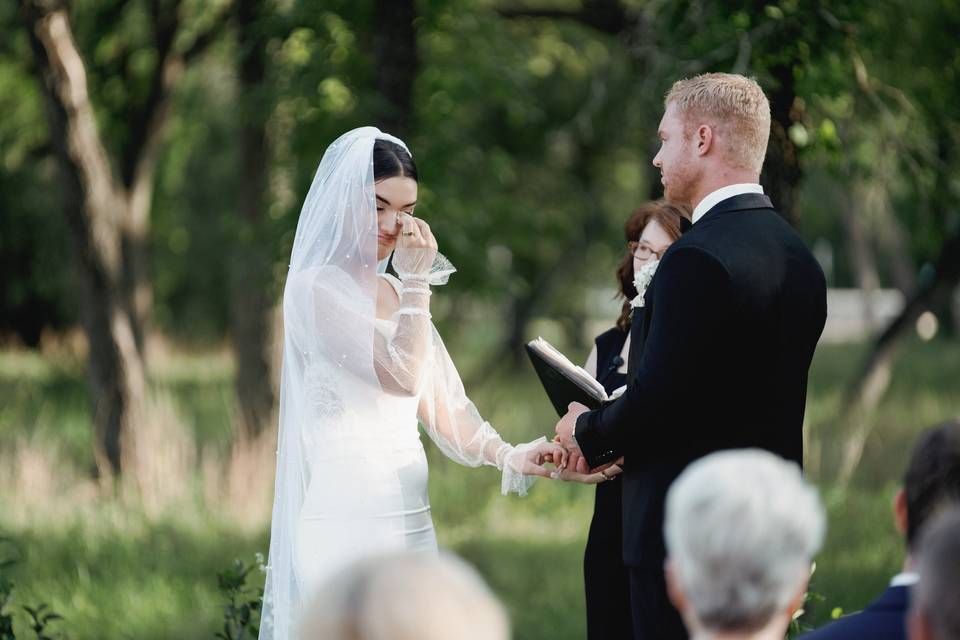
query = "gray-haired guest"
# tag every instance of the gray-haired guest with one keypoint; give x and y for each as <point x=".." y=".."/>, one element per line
<point x="934" y="611"/>
<point x="741" y="528"/>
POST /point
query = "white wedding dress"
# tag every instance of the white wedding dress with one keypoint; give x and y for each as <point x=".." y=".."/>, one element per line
<point x="394" y="512"/>
<point x="351" y="470"/>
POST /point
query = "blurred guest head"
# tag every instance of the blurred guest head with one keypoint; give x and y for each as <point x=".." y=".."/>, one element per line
<point x="741" y="529"/>
<point x="649" y="231"/>
<point x="931" y="483"/>
<point x="934" y="610"/>
<point x="406" y="596"/>
<point x="714" y="132"/>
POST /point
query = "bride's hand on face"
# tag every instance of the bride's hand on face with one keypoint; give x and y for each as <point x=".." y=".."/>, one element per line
<point x="416" y="246"/>
<point x="415" y="234"/>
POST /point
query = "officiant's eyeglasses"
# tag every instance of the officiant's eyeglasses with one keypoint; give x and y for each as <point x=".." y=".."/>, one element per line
<point x="642" y="251"/>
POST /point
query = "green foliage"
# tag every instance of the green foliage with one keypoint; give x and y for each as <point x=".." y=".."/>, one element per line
<point x="6" y="592"/>
<point x="242" y="609"/>
<point x="40" y="616"/>
<point x="810" y="599"/>
<point x="40" y="619"/>
<point x="534" y="136"/>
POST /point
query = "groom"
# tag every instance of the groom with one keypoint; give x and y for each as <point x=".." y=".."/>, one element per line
<point x="734" y="313"/>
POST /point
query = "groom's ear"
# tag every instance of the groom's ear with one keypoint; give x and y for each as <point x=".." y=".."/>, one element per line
<point x="703" y="137"/>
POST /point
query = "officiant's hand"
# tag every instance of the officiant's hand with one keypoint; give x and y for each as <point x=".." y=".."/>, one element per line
<point x="564" y="430"/>
<point x="595" y="476"/>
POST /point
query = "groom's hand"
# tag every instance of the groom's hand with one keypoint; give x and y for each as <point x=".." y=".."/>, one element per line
<point x="564" y="430"/>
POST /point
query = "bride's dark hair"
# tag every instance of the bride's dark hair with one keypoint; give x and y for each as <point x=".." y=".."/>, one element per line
<point x="390" y="160"/>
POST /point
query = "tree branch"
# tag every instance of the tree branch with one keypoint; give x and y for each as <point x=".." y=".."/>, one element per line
<point x="140" y="155"/>
<point x="151" y="112"/>
<point x="606" y="16"/>
<point x="64" y="80"/>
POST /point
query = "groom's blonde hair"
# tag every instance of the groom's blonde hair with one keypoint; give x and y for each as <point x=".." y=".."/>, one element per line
<point x="734" y="106"/>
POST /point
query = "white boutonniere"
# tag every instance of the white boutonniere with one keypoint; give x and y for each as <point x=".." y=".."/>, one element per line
<point x="641" y="280"/>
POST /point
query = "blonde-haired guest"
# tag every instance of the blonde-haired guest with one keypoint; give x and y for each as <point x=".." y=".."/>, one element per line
<point x="742" y="528"/>
<point x="406" y="596"/>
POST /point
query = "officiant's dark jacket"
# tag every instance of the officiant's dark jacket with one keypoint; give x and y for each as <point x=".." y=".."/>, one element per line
<point x="732" y="318"/>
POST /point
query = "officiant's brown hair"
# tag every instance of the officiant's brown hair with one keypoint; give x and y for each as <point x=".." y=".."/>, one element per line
<point x="674" y="218"/>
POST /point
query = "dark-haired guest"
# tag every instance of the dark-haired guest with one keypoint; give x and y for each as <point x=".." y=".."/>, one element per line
<point x="931" y="483"/>
<point x="934" y="614"/>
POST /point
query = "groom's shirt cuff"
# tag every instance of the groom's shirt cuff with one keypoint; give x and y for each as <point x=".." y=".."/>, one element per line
<point x="591" y="441"/>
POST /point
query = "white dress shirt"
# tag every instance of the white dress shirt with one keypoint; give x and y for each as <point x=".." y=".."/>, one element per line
<point x="906" y="579"/>
<point x="714" y="198"/>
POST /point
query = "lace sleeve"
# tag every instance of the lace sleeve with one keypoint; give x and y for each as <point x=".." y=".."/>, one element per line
<point x="454" y="424"/>
<point x="321" y="303"/>
<point x="400" y="356"/>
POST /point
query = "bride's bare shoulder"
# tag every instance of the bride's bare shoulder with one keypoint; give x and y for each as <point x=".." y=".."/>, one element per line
<point x="388" y="295"/>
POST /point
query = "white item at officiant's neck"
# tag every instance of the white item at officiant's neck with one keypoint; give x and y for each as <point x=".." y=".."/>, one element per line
<point x="382" y="265"/>
<point x="641" y="280"/>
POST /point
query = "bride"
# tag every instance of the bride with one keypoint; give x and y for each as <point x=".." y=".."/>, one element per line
<point x="362" y="365"/>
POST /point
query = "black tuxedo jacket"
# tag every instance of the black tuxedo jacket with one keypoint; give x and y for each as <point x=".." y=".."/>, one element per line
<point x="732" y="318"/>
<point x="884" y="619"/>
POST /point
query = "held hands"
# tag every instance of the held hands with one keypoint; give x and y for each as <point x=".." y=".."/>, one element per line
<point x="543" y="453"/>
<point x="575" y="467"/>
<point x="566" y="456"/>
<point x="564" y="430"/>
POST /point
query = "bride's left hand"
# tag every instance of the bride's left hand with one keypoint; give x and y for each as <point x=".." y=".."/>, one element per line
<point x="541" y="454"/>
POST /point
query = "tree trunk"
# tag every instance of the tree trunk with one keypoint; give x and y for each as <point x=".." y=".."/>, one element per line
<point x="397" y="62"/>
<point x="94" y="206"/>
<point x="894" y="239"/>
<point x="865" y="393"/>
<point x="251" y="266"/>
<point x="861" y="253"/>
<point x="781" y="173"/>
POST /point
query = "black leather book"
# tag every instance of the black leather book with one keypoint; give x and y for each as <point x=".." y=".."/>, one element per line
<point x="564" y="381"/>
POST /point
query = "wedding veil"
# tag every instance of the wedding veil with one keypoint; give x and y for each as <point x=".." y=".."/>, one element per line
<point x="333" y="266"/>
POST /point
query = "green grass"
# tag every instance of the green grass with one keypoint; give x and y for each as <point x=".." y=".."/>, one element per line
<point x="115" y="573"/>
